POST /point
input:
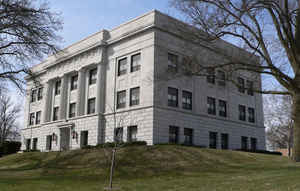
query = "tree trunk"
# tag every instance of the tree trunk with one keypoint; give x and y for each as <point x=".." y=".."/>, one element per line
<point x="296" y="132"/>
<point x="112" y="169"/>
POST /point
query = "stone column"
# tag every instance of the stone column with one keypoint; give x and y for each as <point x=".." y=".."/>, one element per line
<point x="47" y="101"/>
<point x="100" y="99"/>
<point x="80" y="103"/>
<point x="63" y="97"/>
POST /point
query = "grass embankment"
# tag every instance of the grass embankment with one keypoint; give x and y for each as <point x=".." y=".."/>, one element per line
<point x="142" y="168"/>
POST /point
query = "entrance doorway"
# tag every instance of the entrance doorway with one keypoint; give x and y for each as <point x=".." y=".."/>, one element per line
<point x="65" y="138"/>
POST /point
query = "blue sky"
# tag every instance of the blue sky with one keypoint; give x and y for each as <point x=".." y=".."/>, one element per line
<point x="83" y="18"/>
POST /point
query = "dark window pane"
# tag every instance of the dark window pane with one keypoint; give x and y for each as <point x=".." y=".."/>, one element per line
<point x="221" y="78"/>
<point x="241" y="85"/>
<point x="135" y="62"/>
<point x="134" y="96"/>
<point x="187" y="100"/>
<point x="251" y="115"/>
<point x="213" y="140"/>
<point x="224" y="141"/>
<point x="211" y="106"/>
<point x="93" y="76"/>
<point x="253" y="144"/>
<point x="57" y="87"/>
<point x="222" y="108"/>
<point x="172" y="62"/>
<point x="40" y="94"/>
<point x="31" y="119"/>
<point x="173" y="134"/>
<point x="38" y="117"/>
<point x="33" y="95"/>
<point x="74" y="82"/>
<point x="210" y="76"/>
<point x="242" y="113"/>
<point x="132" y="133"/>
<point x="34" y="143"/>
<point x="188" y="136"/>
<point x="121" y="99"/>
<point x="122" y="66"/>
<point x="250" y="88"/>
<point x="244" y="143"/>
<point x="172" y="97"/>
<point x="84" y="138"/>
<point x="72" y="110"/>
<point x="55" y="113"/>
<point x="118" y="135"/>
<point x="91" y="106"/>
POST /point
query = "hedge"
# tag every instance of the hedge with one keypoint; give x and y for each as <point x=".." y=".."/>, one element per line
<point x="9" y="147"/>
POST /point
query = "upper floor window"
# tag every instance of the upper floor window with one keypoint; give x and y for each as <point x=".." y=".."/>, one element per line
<point x="57" y="87"/>
<point x="38" y="117"/>
<point x="134" y="96"/>
<point x="33" y="95"/>
<point x="72" y="110"/>
<point x="74" y="82"/>
<point x="55" y="113"/>
<point x="121" y="99"/>
<point x="241" y="85"/>
<point x="91" y="106"/>
<point x="242" y="113"/>
<point x="222" y="108"/>
<point x="172" y="62"/>
<point x="40" y="93"/>
<point x="135" y="62"/>
<point x="186" y="100"/>
<point x="122" y="66"/>
<point x="251" y="116"/>
<point x="221" y="78"/>
<point x="211" y="105"/>
<point x="93" y="76"/>
<point x="172" y="97"/>
<point x="31" y="119"/>
<point x="250" y="87"/>
<point x="210" y="78"/>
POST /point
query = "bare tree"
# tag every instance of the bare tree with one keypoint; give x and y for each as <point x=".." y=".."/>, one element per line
<point x="9" y="113"/>
<point x="266" y="28"/>
<point x="279" y="122"/>
<point x="28" y="31"/>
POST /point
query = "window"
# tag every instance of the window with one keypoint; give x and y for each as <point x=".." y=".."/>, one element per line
<point x="33" y="95"/>
<point x="28" y="144"/>
<point x="253" y="144"/>
<point x="224" y="141"/>
<point x="121" y="99"/>
<point x="251" y="116"/>
<point x="173" y="134"/>
<point x="40" y="94"/>
<point x="122" y="66"/>
<point x="244" y="143"/>
<point x="93" y="76"/>
<point x="241" y="85"/>
<point x="49" y="142"/>
<point x="84" y="135"/>
<point x="242" y="113"/>
<point x="172" y="62"/>
<point x="91" y="106"/>
<point x="31" y="119"/>
<point x="57" y="87"/>
<point x="34" y="144"/>
<point x="188" y="136"/>
<point x="222" y="108"/>
<point x="186" y="100"/>
<point x="250" y="87"/>
<point x="132" y="132"/>
<point x="134" y="96"/>
<point x="38" y="117"/>
<point x="135" y="62"/>
<point x="211" y="105"/>
<point x="55" y="113"/>
<point x="119" y="134"/>
<point x="213" y="140"/>
<point x="74" y="82"/>
<point x="172" y="97"/>
<point x="210" y="76"/>
<point x="221" y="78"/>
<point x="72" y="110"/>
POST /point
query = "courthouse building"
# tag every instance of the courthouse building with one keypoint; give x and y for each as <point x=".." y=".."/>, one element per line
<point x="107" y="87"/>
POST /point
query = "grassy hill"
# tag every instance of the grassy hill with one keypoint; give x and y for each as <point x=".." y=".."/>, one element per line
<point x="164" y="167"/>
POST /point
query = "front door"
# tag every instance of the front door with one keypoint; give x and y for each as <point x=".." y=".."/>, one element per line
<point x="64" y="139"/>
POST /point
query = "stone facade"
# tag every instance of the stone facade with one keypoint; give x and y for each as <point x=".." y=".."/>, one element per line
<point x="94" y="92"/>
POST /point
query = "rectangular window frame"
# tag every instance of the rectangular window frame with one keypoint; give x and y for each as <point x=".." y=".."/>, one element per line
<point x="242" y="113"/>
<point x="72" y="110"/>
<point x="38" y="117"/>
<point x="135" y="65"/>
<point x="118" y="135"/>
<point x="93" y="76"/>
<point x="91" y="107"/>
<point x="221" y="78"/>
<point x="40" y="93"/>
<point x="210" y="78"/>
<point x="213" y="140"/>
<point x="244" y="143"/>
<point x="224" y="141"/>
<point x="241" y="85"/>
<point x="134" y="96"/>
<point x="57" y="87"/>
<point x="172" y="62"/>
<point x="211" y="106"/>
<point x="55" y="116"/>
<point x="74" y="82"/>
<point x="172" y="97"/>
<point x="187" y="100"/>
<point x="250" y="85"/>
<point x="188" y="134"/>
<point x="222" y="108"/>
<point x="251" y="115"/>
<point x="31" y="119"/>
<point x="33" y="95"/>
<point x="121" y="99"/>
<point x="132" y="133"/>
<point x="122" y="66"/>
<point x="173" y="134"/>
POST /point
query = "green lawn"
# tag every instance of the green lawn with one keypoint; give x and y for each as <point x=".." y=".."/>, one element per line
<point x="164" y="167"/>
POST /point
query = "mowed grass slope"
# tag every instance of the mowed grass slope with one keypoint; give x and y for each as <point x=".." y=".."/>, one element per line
<point x="163" y="167"/>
